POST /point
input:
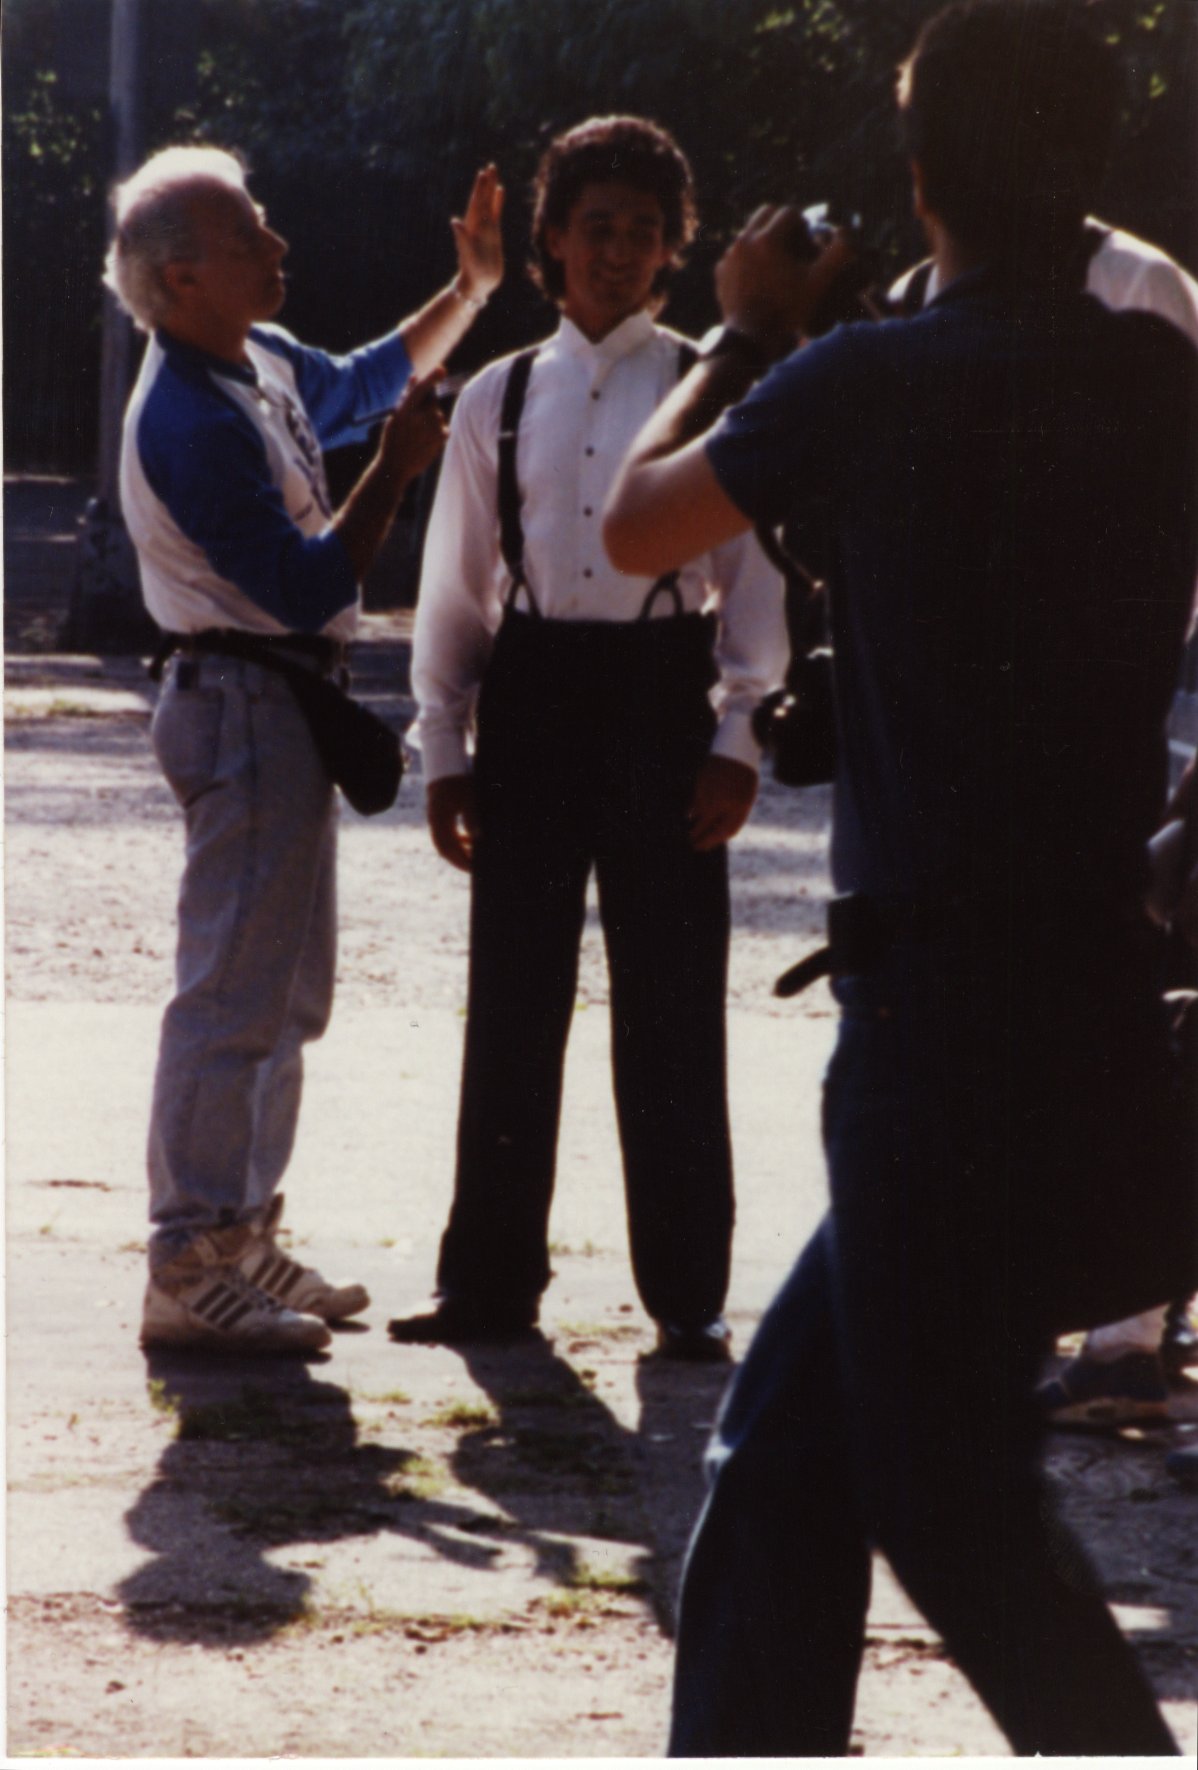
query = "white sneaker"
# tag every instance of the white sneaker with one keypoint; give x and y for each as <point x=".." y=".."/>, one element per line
<point x="202" y="1298"/>
<point x="298" y="1287"/>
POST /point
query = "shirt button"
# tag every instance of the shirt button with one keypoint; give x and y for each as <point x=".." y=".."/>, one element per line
<point x="587" y="572"/>
<point x="588" y="451"/>
<point x="588" y="511"/>
<point x="594" y="393"/>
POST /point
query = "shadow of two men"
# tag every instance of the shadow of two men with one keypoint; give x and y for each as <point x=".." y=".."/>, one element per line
<point x="267" y="1455"/>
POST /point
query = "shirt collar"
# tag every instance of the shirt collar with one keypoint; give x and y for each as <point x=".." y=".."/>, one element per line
<point x="995" y="280"/>
<point x="190" y="356"/>
<point x="628" y="336"/>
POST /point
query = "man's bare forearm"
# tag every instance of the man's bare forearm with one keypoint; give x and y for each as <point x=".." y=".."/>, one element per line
<point x="411" y="439"/>
<point x="365" y="518"/>
<point x="699" y="400"/>
<point x="665" y="505"/>
<point x="441" y="324"/>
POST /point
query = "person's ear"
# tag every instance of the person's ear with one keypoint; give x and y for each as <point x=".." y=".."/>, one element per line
<point x="918" y="197"/>
<point x="178" y="277"/>
<point x="553" y="242"/>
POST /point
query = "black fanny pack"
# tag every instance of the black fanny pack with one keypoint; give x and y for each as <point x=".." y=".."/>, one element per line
<point x="362" y="754"/>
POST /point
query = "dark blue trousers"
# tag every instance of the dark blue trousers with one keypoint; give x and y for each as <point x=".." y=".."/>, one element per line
<point x="886" y="1399"/>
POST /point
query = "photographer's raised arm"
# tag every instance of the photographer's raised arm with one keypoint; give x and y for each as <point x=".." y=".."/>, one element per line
<point x="666" y="505"/>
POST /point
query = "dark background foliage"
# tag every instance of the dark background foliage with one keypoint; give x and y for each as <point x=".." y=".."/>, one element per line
<point x="363" y="121"/>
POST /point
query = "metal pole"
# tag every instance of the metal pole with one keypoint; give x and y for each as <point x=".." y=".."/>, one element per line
<point x="106" y="612"/>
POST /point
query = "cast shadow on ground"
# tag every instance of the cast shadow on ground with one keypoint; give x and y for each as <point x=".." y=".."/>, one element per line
<point x="267" y="1454"/>
<point x="570" y="1477"/>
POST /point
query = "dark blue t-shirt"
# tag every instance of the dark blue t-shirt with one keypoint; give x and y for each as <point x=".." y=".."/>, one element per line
<point x="1007" y="481"/>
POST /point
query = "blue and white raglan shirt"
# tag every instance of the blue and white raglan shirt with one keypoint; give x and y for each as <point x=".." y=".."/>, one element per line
<point x="222" y="480"/>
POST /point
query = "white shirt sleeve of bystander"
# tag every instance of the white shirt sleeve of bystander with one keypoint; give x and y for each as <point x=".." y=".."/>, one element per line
<point x="1130" y="273"/>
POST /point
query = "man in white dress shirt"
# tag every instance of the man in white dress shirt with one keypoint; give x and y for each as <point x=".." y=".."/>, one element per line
<point x="612" y="724"/>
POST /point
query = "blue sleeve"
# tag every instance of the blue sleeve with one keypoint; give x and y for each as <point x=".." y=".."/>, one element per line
<point x="343" y="395"/>
<point x="211" y="473"/>
<point x="776" y="453"/>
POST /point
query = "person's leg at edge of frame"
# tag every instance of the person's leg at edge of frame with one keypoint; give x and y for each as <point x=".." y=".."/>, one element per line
<point x="935" y="1439"/>
<point x="776" y="1585"/>
<point x="943" y="1426"/>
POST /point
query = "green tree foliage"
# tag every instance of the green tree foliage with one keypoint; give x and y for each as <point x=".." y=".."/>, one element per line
<point x="53" y="152"/>
<point x="364" y="120"/>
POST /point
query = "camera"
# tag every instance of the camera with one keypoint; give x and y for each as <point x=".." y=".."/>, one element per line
<point x="851" y="295"/>
<point x="796" y="725"/>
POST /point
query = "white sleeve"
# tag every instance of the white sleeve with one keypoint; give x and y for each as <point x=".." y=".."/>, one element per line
<point x="752" y="648"/>
<point x="1166" y="290"/>
<point x="1127" y="273"/>
<point x="459" y="606"/>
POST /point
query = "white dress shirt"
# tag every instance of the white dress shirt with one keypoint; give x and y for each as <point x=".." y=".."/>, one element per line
<point x="585" y="404"/>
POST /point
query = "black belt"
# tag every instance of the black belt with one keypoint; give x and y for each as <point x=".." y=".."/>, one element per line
<point x="313" y="650"/>
<point x="862" y="929"/>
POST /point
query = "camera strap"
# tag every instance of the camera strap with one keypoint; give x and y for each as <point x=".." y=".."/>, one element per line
<point x="511" y="526"/>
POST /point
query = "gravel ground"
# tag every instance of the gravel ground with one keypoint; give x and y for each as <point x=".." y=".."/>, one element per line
<point x="388" y="1553"/>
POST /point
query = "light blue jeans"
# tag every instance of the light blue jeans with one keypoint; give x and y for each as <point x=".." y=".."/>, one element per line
<point x="256" y="948"/>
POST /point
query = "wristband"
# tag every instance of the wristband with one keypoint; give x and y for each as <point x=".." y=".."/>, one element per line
<point x="476" y="302"/>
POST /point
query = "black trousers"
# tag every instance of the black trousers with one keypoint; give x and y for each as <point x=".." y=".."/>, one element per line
<point x="590" y="736"/>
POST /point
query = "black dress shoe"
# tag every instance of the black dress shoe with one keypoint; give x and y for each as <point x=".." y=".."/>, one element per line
<point x="705" y="1342"/>
<point x="455" y="1322"/>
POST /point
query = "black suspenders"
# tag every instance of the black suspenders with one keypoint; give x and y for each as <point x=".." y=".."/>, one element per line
<point x="511" y="528"/>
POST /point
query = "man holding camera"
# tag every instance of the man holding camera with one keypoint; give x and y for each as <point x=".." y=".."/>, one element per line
<point x="251" y="574"/>
<point x="1121" y="1375"/>
<point x="613" y="719"/>
<point x="1008" y="479"/>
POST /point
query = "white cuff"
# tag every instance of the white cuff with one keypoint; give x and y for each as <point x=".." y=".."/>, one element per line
<point x="442" y="753"/>
<point x="734" y="739"/>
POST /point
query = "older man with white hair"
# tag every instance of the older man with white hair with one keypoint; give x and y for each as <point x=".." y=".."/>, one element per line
<point x="254" y="577"/>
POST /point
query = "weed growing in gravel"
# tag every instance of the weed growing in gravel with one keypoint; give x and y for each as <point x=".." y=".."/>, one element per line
<point x="252" y="1415"/>
<point x="421" y="1479"/>
<point x="545" y="1397"/>
<point x="464" y="1414"/>
<point x="605" y="1579"/>
<point x="161" y="1399"/>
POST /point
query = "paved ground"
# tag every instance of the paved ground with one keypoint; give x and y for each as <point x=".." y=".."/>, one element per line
<point x="391" y="1552"/>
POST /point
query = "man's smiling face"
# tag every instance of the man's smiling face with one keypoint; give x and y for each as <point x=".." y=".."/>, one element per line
<point x="611" y="249"/>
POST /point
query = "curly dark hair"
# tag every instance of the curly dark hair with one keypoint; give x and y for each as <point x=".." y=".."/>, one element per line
<point x="1009" y="107"/>
<point x="630" y="150"/>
